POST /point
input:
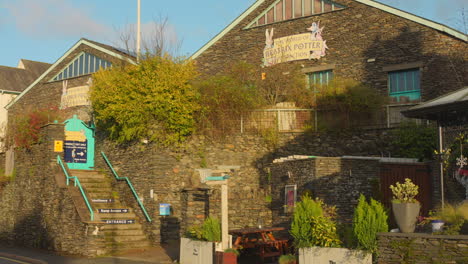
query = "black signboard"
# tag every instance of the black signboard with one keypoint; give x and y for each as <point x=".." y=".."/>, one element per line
<point x="102" y="200"/>
<point x="112" y="211"/>
<point x="119" y="221"/>
<point x="76" y="151"/>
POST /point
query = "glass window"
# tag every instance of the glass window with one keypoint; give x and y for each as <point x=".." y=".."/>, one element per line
<point x="85" y="63"/>
<point x="279" y="11"/>
<point x="297" y="8"/>
<point x="320" y="77"/>
<point x="404" y="85"/>
<point x="287" y="9"/>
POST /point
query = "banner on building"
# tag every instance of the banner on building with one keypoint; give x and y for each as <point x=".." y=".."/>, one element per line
<point x="295" y="47"/>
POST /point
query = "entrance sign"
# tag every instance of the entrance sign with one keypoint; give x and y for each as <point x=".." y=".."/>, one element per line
<point x="78" y="145"/>
<point x="295" y="47"/>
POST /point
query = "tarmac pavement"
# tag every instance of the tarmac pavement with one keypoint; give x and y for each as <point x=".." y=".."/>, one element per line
<point x="159" y="255"/>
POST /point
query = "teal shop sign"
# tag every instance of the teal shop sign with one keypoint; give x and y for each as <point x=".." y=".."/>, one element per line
<point x="78" y="145"/>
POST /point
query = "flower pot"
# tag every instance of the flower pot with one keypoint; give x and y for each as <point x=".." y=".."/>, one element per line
<point x="437" y="225"/>
<point x="226" y="258"/>
<point x="406" y="215"/>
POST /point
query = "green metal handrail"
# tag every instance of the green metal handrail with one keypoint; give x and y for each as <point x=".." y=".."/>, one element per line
<point x="129" y="184"/>
<point x="77" y="183"/>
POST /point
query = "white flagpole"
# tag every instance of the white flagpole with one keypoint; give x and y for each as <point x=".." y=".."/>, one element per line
<point x="138" y="31"/>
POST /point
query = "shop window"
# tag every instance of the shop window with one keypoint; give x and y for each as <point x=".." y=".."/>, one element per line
<point x="404" y="85"/>
<point x="320" y="77"/>
<point x="282" y="10"/>
<point x="84" y="64"/>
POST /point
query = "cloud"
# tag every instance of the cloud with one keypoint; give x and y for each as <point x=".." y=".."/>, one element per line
<point x="48" y="18"/>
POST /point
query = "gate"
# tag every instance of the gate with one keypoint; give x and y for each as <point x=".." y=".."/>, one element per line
<point x="419" y="173"/>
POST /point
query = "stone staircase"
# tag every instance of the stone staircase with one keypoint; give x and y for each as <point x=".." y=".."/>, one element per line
<point x="119" y="227"/>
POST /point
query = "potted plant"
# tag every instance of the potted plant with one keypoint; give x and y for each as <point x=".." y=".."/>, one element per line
<point x="315" y="235"/>
<point x="229" y="256"/>
<point x="198" y="244"/>
<point x="404" y="205"/>
<point x="287" y="259"/>
<point x="451" y="217"/>
<point x="369" y="219"/>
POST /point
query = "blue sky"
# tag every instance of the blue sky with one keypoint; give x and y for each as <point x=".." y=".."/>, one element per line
<point x="43" y="30"/>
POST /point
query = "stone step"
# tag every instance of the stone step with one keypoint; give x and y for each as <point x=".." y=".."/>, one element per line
<point x="86" y="180"/>
<point x="117" y="216"/>
<point x="96" y="184"/>
<point x="123" y="232"/>
<point x="98" y="189"/>
<point x="92" y="195"/>
<point x="125" y="238"/>
<point x="121" y="227"/>
<point x="90" y="176"/>
<point x="115" y="246"/>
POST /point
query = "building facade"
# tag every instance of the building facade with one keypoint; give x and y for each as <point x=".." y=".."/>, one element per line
<point x="408" y="58"/>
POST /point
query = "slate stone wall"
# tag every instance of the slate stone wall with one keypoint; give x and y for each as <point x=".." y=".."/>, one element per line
<point x="35" y="211"/>
<point x="337" y="181"/>
<point x="421" y="248"/>
<point x="171" y="174"/>
<point x="354" y="35"/>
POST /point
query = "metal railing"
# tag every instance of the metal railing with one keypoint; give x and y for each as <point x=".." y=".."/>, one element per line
<point x="129" y="184"/>
<point x="77" y="184"/>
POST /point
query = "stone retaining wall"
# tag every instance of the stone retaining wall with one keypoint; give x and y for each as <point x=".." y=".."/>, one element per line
<point x="35" y="211"/>
<point x="338" y="181"/>
<point x="422" y="248"/>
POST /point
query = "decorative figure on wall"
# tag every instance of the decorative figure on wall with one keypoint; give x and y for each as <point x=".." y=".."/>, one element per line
<point x="63" y="101"/>
<point x="316" y="35"/>
<point x="269" y="39"/>
<point x="462" y="174"/>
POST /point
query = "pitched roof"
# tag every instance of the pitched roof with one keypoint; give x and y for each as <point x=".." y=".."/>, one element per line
<point x="96" y="45"/>
<point x="17" y="79"/>
<point x="383" y="7"/>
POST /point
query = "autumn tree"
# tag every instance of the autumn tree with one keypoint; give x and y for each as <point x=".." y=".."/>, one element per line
<point x="152" y="101"/>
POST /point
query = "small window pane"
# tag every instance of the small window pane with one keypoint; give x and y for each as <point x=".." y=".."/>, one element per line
<point x="271" y="16"/>
<point x="297" y="8"/>
<point x="75" y="68"/>
<point x="328" y="6"/>
<point x="86" y="64"/>
<point x="279" y="11"/>
<point x="307" y="7"/>
<point x="65" y="73"/>
<point x="60" y="76"/>
<point x="288" y="9"/>
<point x="80" y="64"/>
<point x="317" y="6"/>
<point x="92" y="64"/>
<point x="261" y="21"/>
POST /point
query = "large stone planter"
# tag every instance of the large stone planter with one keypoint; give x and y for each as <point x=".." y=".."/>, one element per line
<point x="406" y="215"/>
<point x="196" y="252"/>
<point x="323" y="255"/>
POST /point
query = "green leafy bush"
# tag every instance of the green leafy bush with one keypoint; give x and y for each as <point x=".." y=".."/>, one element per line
<point x="287" y="259"/>
<point x="404" y="192"/>
<point x="153" y="100"/>
<point x="369" y="219"/>
<point x="414" y="141"/>
<point x="210" y="230"/>
<point x="310" y="227"/>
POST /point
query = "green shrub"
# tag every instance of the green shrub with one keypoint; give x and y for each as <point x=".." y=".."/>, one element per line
<point x="369" y="219"/>
<point x="210" y="230"/>
<point x="287" y="259"/>
<point x="414" y="141"/>
<point x="310" y="227"/>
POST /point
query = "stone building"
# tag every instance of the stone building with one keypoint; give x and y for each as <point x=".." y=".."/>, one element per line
<point x="358" y="39"/>
<point x="404" y="56"/>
